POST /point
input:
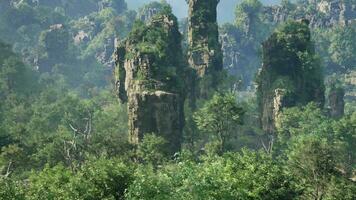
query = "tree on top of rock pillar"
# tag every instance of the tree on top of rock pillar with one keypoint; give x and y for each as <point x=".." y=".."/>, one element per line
<point x="291" y="73"/>
<point x="149" y="77"/>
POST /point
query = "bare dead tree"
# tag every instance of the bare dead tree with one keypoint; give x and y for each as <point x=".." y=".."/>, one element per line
<point x="269" y="147"/>
<point x="8" y="170"/>
<point x="75" y="147"/>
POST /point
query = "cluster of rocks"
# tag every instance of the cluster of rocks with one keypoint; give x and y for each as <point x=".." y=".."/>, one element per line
<point x="156" y="103"/>
<point x="155" y="98"/>
<point x="325" y="13"/>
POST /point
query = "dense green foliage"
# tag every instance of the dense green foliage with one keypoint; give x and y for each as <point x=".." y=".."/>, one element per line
<point x="246" y="175"/>
<point x="297" y="70"/>
<point x="63" y="133"/>
<point x="220" y="117"/>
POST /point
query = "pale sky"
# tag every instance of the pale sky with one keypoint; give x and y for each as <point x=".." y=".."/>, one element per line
<point x="225" y="10"/>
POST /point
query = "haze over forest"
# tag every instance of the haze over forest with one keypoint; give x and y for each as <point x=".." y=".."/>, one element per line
<point x="157" y="100"/>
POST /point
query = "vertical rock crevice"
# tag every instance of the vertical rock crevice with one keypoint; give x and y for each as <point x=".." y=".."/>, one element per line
<point x="336" y="102"/>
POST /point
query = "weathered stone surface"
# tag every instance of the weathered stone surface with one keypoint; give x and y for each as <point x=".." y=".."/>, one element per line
<point x="326" y="13"/>
<point x="157" y="112"/>
<point x="148" y="11"/>
<point x="336" y="102"/>
<point x="241" y="58"/>
<point x="290" y="73"/>
<point x="350" y="86"/>
<point x="148" y="73"/>
<point x="81" y="37"/>
<point x="105" y="57"/>
<point x="120" y="72"/>
<point x="204" y="55"/>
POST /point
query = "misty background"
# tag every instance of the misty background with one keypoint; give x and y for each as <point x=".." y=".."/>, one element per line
<point x="226" y="9"/>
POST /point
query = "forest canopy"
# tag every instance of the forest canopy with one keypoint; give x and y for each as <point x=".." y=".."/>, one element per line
<point x="276" y="120"/>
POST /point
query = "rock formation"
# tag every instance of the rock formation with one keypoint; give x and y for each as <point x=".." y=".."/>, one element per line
<point x="336" y="102"/>
<point x="321" y="13"/>
<point x="241" y="58"/>
<point x="350" y="86"/>
<point x="204" y="54"/>
<point x="148" y="11"/>
<point x="148" y="73"/>
<point x="290" y="74"/>
<point x="105" y="57"/>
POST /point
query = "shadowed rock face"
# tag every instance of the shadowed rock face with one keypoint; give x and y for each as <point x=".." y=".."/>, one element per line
<point x="336" y="102"/>
<point x="204" y="55"/>
<point x="290" y="74"/>
<point x="148" y="76"/>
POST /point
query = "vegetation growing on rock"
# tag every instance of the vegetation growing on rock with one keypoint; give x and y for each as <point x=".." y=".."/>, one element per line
<point x="204" y="48"/>
<point x="291" y="73"/>
<point x="150" y="70"/>
<point x="65" y="135"/>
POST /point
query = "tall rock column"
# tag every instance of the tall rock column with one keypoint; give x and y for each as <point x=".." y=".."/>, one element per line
<point x="291" y="74"/>
<point x="336" y="102"/>
<point x="148" y="76"/>
<point x="204" y="55"/>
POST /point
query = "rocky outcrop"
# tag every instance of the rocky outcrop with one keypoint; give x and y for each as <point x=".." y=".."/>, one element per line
<point x="105" y="57"/>
<point x="290" y="73"/>
<point x="336" y="102"/>
<point x="148" y="11"/>
<point x="337" y="11"/>
<point x="276" y="14"/>
<point x="322" y="13"/>
<point x="350" y="86"/>
<point x="81" y="37"/>
<point x="148" y="73"/>
<point x="240" y="56"/>
<point x="204" y="55"/>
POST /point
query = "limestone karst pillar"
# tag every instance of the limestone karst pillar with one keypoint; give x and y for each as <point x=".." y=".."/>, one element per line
<point x="149" y="78"/>
<point x="204" y="54"/>
<point x="290" y="74"/>
<point x="336" y="102"/>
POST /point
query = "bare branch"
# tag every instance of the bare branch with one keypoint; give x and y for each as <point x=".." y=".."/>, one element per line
<point x="264" y="146"/>
<point x="8" y="170"/>
<point x="74" y="129"/>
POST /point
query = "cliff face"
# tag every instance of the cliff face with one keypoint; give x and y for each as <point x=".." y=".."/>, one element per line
<point x="204" y="55"/>
<point x="148" y="73"/>
<point x="241" y="56"/>
<point x="336" y="102"/>
<point x="290" y="75"/>
<point x="148" y="11"/>
<point x="322" y="13"/>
